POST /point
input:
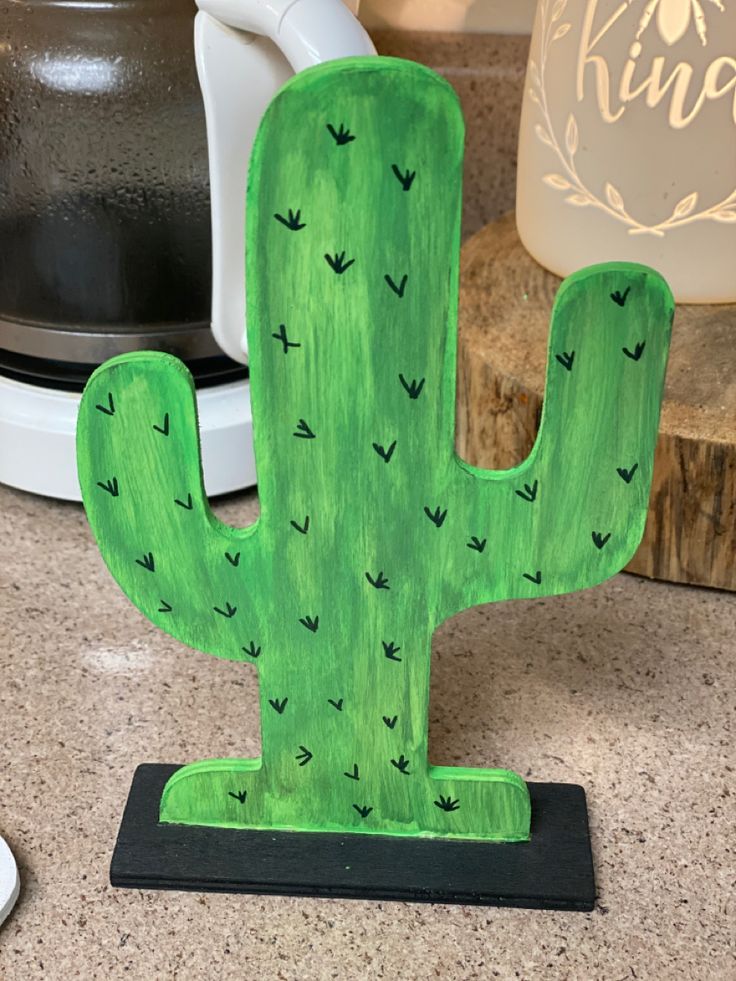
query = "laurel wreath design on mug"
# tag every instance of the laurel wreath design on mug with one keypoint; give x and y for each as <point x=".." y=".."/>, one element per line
<point x="569" y="180"/>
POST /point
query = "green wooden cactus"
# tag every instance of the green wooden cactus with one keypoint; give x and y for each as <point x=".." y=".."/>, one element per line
<point x="372" y="531"/>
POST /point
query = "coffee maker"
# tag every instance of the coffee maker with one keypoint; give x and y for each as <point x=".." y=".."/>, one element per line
<point x="113" y="235"/>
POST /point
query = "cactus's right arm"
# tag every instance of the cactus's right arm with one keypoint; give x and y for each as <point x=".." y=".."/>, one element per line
<point x="140" y="474"/>
<point x="572" y="515"/>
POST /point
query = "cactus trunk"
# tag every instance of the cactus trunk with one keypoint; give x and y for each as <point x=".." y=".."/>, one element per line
<point x="345" y="745"/>
<point x="372" y="532"/>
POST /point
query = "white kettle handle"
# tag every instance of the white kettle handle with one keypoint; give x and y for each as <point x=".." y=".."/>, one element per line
<point x="245" y="51"/>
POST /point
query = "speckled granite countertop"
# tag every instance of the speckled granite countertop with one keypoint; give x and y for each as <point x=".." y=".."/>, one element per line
<point x="626" y="689"/>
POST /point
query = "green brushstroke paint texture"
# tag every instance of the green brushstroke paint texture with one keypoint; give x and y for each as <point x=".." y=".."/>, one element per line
<point x="368" y="516"/>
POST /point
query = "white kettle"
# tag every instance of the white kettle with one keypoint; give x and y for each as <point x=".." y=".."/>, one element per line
<point x="246" y="49"/>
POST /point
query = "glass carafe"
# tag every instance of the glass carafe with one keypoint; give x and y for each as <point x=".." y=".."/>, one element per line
<point x="104" y="194"/>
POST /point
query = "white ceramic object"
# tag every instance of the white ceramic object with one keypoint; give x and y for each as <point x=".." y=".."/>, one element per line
<point x="38" y="439"/>
<point x="246" y="49"/>
<point x="9" y="880"/>
<point x="628" y="140"/>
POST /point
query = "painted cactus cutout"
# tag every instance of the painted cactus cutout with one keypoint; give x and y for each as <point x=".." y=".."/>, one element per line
<point x="372" y="531"/>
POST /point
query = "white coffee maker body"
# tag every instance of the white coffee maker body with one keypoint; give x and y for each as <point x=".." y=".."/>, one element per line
<point x="245" y="50"/>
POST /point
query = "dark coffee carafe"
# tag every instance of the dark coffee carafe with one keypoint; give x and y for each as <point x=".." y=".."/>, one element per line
<point x="104" y="192"/>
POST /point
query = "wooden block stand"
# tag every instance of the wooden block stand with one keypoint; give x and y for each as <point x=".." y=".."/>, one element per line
<point x="505" y="303"/>
<point x="554" y="870"/>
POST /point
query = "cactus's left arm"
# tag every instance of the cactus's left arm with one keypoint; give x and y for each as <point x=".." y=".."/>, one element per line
<point x="140" y="474"/>
<point x="573" y="513"/>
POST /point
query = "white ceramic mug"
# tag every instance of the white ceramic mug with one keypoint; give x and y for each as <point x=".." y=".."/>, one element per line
<point x="628" y="140"/>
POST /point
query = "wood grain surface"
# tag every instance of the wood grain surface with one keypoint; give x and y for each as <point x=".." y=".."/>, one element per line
<point x="505" y="302"/>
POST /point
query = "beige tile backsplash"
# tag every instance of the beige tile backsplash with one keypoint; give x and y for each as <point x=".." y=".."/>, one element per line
<point x="509" y="16"/>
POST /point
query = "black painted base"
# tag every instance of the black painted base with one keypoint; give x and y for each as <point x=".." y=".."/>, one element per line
<point x="552" y="871"/>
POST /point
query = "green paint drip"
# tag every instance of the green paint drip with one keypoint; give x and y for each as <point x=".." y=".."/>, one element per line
<point x="372" y="531"/>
